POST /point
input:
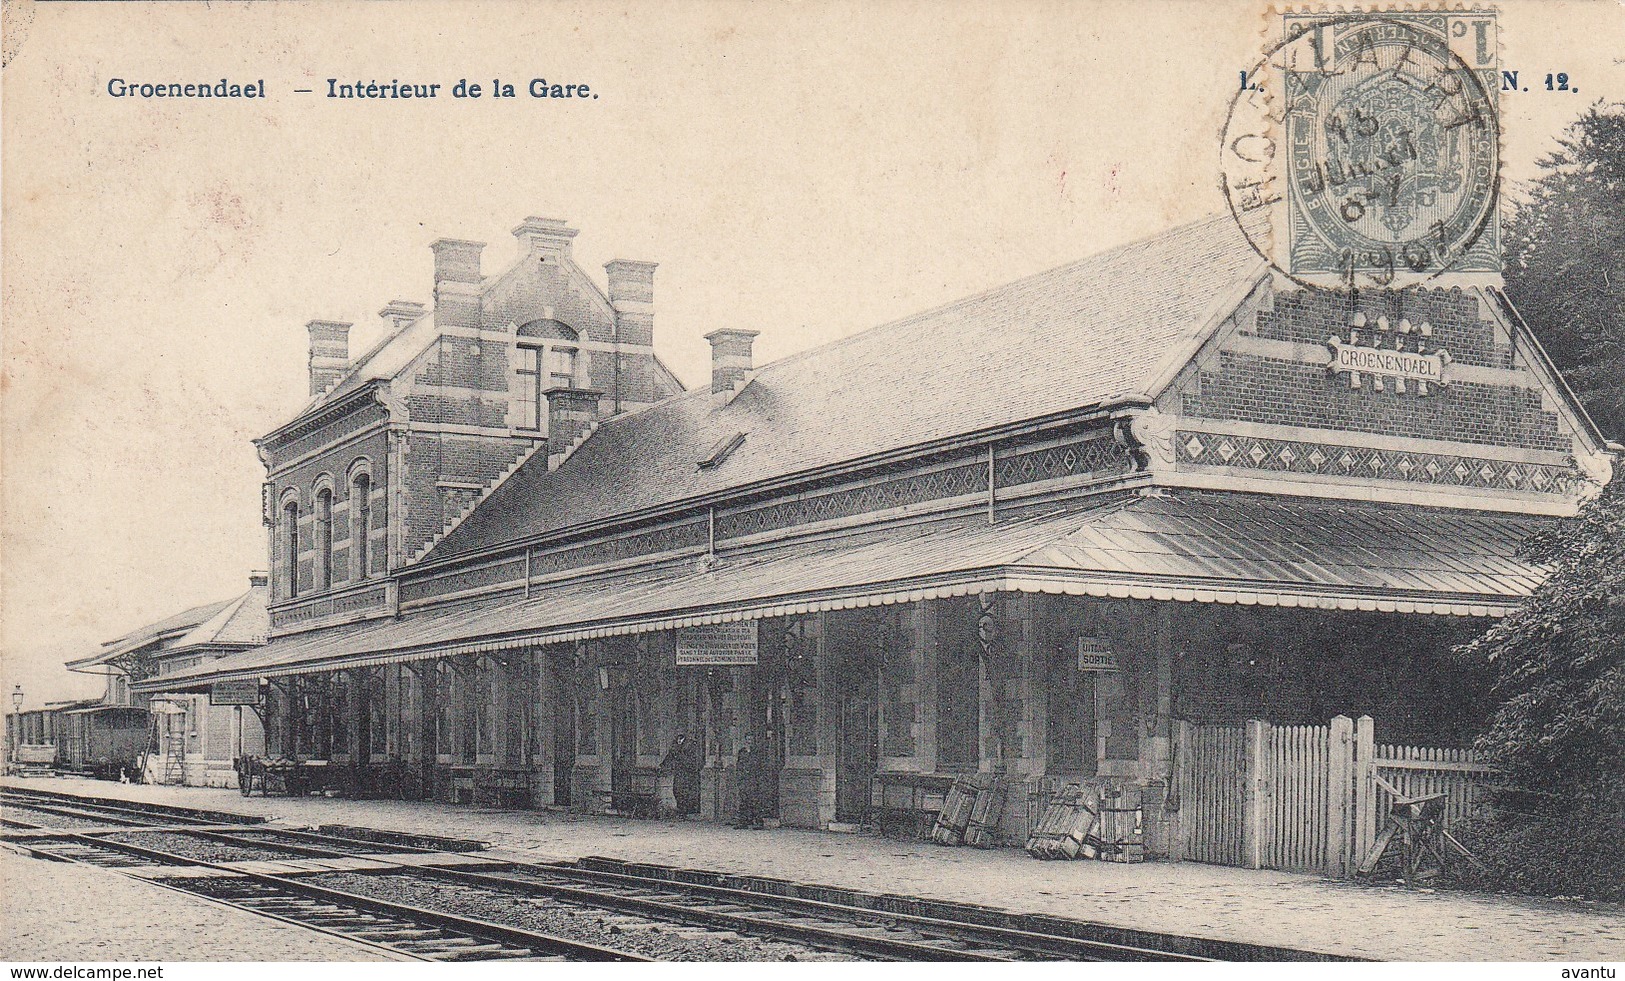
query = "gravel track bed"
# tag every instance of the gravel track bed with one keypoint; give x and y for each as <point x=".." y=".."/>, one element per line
<point x="202" y="849"/>
<point x="661" y="941"/>
<point x="46" y="819"/>
<point x="271" y="836"/>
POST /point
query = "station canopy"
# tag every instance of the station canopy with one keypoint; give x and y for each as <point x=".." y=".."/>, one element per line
<point x="1193" y="546"/>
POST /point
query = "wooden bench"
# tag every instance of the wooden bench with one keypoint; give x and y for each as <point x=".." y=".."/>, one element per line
<point x="907" y="804"/>
<point x="638" y="795"/>
<point x="502" y="786"/>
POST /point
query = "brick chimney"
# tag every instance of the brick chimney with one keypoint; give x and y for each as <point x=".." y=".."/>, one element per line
<point x="457" y="281"/>
<point x="570" y="411"/>
<point x="632" y="297"/>
<point x="730" y="357"/>
<point x="329" y="353"/>
<point x="547" y="239"/>
<point x="399" y="313"/>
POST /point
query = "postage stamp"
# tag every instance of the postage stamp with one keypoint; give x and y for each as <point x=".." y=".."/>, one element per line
<point x="1363" y="149"/>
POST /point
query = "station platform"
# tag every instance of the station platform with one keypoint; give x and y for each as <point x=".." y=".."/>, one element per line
<point x="1262" y="907"/>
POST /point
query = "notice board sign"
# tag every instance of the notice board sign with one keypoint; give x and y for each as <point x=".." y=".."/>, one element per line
<point x="717" y="644"/>
<point x="242" y="692"/>
<point x="1095" y="654"/>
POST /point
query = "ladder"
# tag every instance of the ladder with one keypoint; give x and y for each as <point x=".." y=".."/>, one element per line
<point x="175" y="749"/>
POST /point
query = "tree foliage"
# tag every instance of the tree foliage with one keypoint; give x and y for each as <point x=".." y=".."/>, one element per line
<point x="1558" y="662"/>
<point x="1565" y="261"/>
<point x="1557" y="735"/>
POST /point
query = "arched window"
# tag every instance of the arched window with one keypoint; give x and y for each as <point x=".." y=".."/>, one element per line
<point x="360" y="525"/>
<point x="290" y="546"/>
<point x="324" y="538"/>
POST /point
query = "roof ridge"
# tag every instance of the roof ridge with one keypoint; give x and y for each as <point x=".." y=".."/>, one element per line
<point x="936" y="310"/>
<point x="351" y="370"/>
<point x="1118" y="310"/>
<point x="993" y="291"/>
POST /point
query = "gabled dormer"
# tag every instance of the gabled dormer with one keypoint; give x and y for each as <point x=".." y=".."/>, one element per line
<point x="400" y="442"/>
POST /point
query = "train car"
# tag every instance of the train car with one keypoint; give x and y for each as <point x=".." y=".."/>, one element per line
<point x="34" y="740"/>
<point x="103" y="740"/>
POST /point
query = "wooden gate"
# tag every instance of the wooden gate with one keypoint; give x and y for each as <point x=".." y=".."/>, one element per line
<point x="1211" y="780"/>
<point x="1294" y="798"/>
<point x="1304" y="798"/>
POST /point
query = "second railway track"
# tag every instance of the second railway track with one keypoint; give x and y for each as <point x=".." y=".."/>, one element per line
<point x="488" y="909"/>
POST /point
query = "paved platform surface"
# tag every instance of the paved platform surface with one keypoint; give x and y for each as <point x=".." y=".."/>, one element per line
<point x="63" y="913"/>
<point x="1265" y="907"/>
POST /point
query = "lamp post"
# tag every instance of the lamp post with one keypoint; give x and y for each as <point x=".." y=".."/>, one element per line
<point x="14" y="729"/>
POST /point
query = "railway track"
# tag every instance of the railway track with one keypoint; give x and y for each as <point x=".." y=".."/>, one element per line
<point x="646" y="897"/>
<point x="408" y="932"/>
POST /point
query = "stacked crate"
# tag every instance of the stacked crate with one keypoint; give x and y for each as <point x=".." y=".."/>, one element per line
<point x="1122" y="825"/>
<point x="1067" y="828"/>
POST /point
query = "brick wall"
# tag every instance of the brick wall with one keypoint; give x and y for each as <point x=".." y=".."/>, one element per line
<point x="540" y="285"/>
<point x="336" y="462"/>
<point x="1249" y="387"/>
<point x="1310" y="316"/>
<point x="436" y="459"/>
<point x="561" y="292"/>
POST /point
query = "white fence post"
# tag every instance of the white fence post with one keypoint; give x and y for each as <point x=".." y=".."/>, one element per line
<point x="1340" y="771"/>
<point x="1365" y="789"/>
<point x="1255" y="797"/>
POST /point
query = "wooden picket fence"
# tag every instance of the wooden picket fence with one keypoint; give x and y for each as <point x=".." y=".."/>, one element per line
<point x="1210" y="779"/>
<point x="1295" y="811"/>
<point x="1416" y="772"/>
<point x="1304" y="798"/>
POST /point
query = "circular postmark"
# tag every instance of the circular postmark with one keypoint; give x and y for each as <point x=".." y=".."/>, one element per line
<point x="1363" y="152"/>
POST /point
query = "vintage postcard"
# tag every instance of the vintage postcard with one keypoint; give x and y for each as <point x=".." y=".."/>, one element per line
<point x="812" y="482"/>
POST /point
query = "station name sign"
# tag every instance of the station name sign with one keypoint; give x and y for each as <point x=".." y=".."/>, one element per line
<point x="242" y="692"/>
<point x="717" y="644"/>
<point x="1412" y="366"/>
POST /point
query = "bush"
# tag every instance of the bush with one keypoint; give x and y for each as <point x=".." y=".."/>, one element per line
<point x="1558" y="729"/>
<point x="1546" y="847"/>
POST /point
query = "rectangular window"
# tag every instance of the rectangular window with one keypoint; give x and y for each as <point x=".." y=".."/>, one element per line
<point x="562" y="368"/>
<point x="528" y="389"/>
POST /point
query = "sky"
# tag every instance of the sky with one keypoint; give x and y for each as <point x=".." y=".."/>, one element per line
<point x="806" y="170"/>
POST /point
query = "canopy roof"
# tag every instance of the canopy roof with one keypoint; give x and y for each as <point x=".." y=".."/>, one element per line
<point x="238" y="622"/>
<point x="1185" y="546"/>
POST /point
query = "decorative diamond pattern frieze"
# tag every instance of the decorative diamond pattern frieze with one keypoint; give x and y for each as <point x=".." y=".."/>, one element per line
<point x="1293" y="456"/>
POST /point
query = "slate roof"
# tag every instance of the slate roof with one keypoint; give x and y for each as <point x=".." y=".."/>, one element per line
<point x="245" y="620"/>
<point x="1187" y="545"/>
<point x="1091" y="333"/>
<point x="241" y="620"/>
<point x="185" y="620"/>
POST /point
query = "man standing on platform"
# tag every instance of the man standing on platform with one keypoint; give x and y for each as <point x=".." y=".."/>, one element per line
<point x="682" y="762"/>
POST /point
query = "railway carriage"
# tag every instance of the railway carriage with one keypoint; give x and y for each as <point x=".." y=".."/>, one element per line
<point x="103" y="740"/>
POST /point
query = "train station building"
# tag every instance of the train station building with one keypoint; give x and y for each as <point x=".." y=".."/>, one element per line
<point x="162" y="736"/>
<point x="1027" y="534"/>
